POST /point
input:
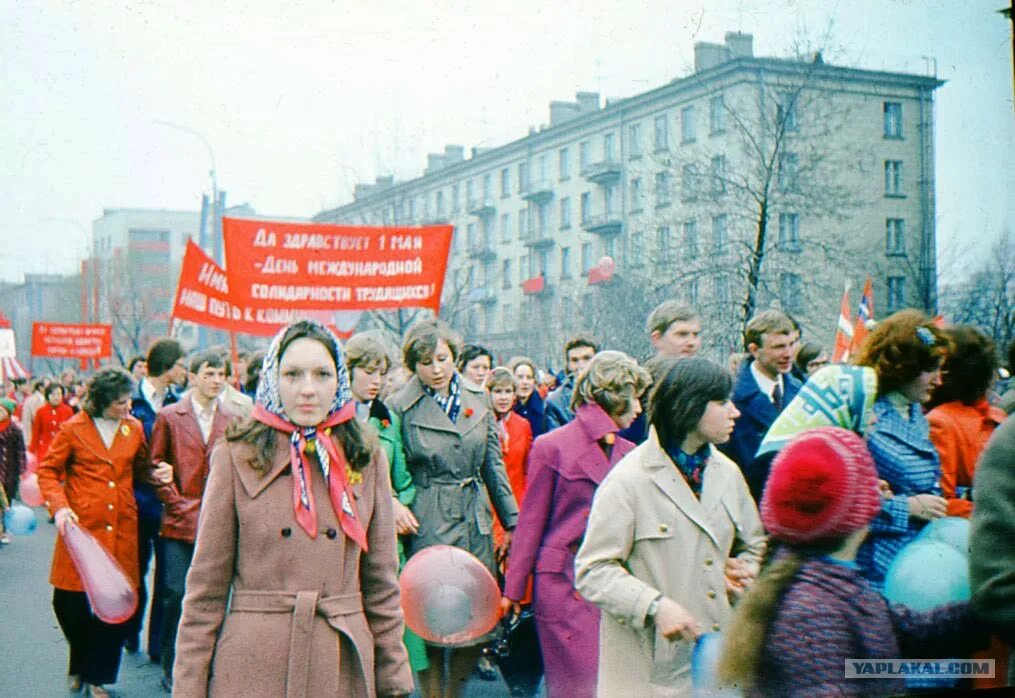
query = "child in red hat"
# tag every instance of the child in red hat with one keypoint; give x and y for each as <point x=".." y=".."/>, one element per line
<point x="811" y="609"/>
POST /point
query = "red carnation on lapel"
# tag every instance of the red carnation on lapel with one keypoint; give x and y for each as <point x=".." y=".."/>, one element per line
<point x="385" y="423"/>
<point x="468" y="412"/>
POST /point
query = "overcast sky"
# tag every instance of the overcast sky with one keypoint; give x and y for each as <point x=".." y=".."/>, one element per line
<point x="298" y="104"/>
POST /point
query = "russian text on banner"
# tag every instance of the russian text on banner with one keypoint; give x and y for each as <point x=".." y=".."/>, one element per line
<point x="55" y="340"/>
<point x="333" y="267"/>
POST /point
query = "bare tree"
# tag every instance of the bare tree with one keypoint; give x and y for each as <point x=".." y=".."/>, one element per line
<point x="136" y="302"/>
<point x="986" y="297"/>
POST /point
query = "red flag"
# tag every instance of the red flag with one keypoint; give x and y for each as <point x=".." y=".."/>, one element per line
<point x="864" y="314"/>
<point x="843" y="332"/>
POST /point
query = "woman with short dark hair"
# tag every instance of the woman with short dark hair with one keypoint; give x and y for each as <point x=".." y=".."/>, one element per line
<point x="87" y="476"/>
<point x="474" y="363"/>
<point x="673" y="534"/>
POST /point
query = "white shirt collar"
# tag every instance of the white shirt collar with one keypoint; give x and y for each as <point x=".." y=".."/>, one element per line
<point x="153" y="396"/>
<point x="765" y="384"/>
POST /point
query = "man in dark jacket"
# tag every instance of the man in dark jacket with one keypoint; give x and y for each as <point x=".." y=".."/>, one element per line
<point x="578" y="352"/>
<point x="763" y="388"/>
<point x="165" y="370"/>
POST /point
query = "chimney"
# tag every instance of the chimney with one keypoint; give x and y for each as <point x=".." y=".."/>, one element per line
<point x="740" y="45"/>
<point x="434" y="162"/>
<point x="361" y="191"/>
<point x="562" y="111"/>
<point x="588" y="102"/>
<point x="708" y="55"/>
<point x="478" y="150"/>
<point x="453" y="154"/>
<point x="384" y="183"/>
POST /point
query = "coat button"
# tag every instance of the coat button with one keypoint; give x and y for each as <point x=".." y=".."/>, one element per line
<point x="110" y="507"/>
<point x="620" y="621"/>
<point x="286" y="532"/>
<point x="112" y="484"/>
<point x="109" y="528"/>
<point x="715" y="627"/>
<point x="457" y="446"/>
<point x="663" y="528"/>
<point x="708" y="562"/>
<point x="331" y="533"/>
<point x="711" y="594"/>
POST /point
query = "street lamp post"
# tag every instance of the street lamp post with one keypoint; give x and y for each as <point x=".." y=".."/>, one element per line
<point x="203" y="241"/>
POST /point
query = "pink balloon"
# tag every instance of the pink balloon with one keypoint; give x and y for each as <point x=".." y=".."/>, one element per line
<point x="448" y="597"/>
<point x="31" y="462"/>
<point x="109" y="590"/>
<point x="29" y="490"/>
<point x="606" y="265"/>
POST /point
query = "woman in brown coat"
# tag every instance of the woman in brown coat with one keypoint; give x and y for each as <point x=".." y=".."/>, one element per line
<point x="88" y="476"/>
<point x="292" y="590"/>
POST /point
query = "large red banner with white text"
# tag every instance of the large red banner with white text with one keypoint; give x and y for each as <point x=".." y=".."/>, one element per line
<point x="332" y="267"/>
<point x="56" y="340"/>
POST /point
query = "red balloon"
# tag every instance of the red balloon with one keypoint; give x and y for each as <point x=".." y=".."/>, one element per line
<point x="109" y="590"/>
<point x="448" y="597"/>
<point x="29" y="490"/>
<point x="31" y="462"/>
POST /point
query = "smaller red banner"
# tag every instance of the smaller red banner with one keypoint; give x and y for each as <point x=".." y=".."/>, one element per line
<point x="57" y="340"/>
<point x="534" y="285"/>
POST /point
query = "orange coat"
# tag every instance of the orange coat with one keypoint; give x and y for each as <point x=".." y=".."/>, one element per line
<point x="98" y="487"/>
<point x="960" y="433"/>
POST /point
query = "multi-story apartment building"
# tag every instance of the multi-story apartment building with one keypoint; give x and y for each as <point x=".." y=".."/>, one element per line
<point x="752" y="182"/>
<point x="40" y="297"/>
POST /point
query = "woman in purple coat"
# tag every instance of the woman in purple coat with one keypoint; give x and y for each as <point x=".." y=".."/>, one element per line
<point x="565" y="468"/>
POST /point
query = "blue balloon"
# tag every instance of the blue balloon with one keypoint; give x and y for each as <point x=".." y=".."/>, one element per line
<point x="927" y="574"/>
<point x="705" y="661"/>
<point x="19" y="520"/>
<point x="952" y="530"/>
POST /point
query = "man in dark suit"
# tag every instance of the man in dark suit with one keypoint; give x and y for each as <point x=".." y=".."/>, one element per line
<point x="764" y="386"/>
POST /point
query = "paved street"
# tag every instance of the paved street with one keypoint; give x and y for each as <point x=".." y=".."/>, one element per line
<point x="33" y="654"/>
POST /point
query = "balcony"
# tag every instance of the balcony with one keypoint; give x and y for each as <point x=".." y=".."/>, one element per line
<point x="483" y="251"/>
<point x="539" y="239"/>
<point x="483" y="295"/>
<point x="603" y="224"/>
<point x="536" y="286"/>
<point x="538" y="192"/>
<point x="603" y="172"/>
<point x="482" y="207"/>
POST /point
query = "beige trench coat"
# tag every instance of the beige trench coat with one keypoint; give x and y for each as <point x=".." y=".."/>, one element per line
<point x="649" y="535"/>
<point x="307" y="616"/>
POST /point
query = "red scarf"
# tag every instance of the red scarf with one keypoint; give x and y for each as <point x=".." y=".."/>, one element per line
<point x="335" y="476"/>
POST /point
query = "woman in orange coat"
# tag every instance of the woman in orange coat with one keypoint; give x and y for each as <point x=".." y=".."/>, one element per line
<point x="97" y="454"/>
<point x="48" y="419"/>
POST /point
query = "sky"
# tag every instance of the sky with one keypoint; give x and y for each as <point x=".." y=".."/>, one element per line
<point x="296" y="102"/>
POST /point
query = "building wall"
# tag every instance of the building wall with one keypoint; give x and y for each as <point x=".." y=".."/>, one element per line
<point x="506" y="235"/>
<point x="41" y="297"/>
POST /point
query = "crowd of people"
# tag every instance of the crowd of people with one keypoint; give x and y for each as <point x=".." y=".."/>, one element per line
<point x="625" y="508"/>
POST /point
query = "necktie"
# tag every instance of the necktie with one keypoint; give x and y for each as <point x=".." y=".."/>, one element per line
<point x="777" y="397"/>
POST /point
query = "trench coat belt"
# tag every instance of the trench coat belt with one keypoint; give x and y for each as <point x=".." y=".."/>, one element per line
<point x="303" y="605"/>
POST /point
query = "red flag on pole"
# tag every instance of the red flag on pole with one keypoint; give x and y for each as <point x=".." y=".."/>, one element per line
<point x="864" y="314"/>
<point x="843" y="332"/>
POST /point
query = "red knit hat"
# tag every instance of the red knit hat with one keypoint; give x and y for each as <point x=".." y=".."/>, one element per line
<point x="822" y="485"/>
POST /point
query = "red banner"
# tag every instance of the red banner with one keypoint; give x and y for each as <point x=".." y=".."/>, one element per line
<point x="57" y="340"/>
<point x="332" y="267"/>
<point x="203" y="297"/>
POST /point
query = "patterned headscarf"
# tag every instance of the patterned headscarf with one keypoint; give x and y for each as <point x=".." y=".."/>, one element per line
<point x="268" y="410"/>
<point x="836" y="396"/>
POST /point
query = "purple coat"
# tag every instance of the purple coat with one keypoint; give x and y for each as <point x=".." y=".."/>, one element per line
<point x="830" y="614"/>
<point x="565" y="468"/>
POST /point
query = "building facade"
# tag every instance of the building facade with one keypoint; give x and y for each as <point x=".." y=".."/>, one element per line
<point x="40" y="297"/>
<point x="752" y="182"/>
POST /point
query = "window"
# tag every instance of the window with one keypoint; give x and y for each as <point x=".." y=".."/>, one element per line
<point x="662" y="133"/>
<point x="720" y="233"/>
<point x="662" y="189"/>
<point x="692" y="292"/>
<point x="610" y="247"/>
<point x="637" y="248"/>
<point x="508" y="318"/>
<point x="634" y="140"/>
<point x="505" y="183"/>
<point x="544" y="168"/>
<point x="722" y="289"/>
<point x="487" y="186"/>
<point x="586" y="257"/>
<point x="716" y="115"/>
<point x="893" y="178"/>
<point x="608" y="146"/>
<point x="542" y="261"/>
<point x="542" y="220"/>
<point x="636" y="193"/>
<point x="786" y="113"/>
<point x="564" y="163"/>
<point x="664" y="245"/>
<point x="565" y="212"/>
<point x="586" y="206"/>
<point x="488" y="232"/>
<point x="691" y="238"/>
<point x="440" y="203"/>
<point x="470" y="193"/>
<point x="689" y="182"/>
<point x="609" y="199"/>
<point x="896" y="293"/>
<point x="523" y="176"/>
<point x="523" y="268"/>
<point x="718" y="175"/>
<point x="790" y="290"/>
<point x="455" y="203"/>
<point x="523" y="224"/>
<point x="584" y="154"/>
<point x="565" y="262"/>
<point x="789" y="168"/>
<point x="505" y="273"/>
<point x="687" y="130"/>
<point x="789" y="232"/>
<point x="893" y="120"/>
<point x="413" y="209"/>
<point x="505" y="227"/>
<point x="470" y="238"/>
<point x="895" y="237"/>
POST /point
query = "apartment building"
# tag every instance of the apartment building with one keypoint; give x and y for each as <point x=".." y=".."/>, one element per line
<point x="753" y="180"/>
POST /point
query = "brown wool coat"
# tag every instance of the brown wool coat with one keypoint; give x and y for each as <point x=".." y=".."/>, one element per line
<point x="307" y="617"/>
<point x="99" y="488"/>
